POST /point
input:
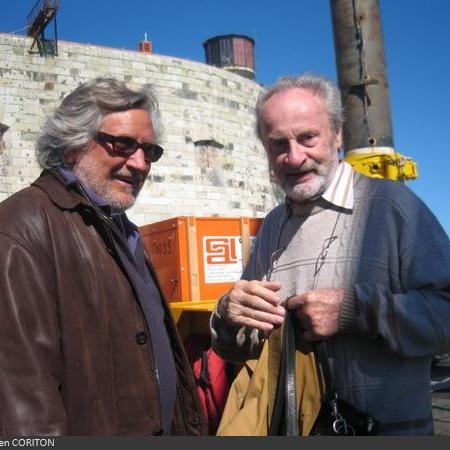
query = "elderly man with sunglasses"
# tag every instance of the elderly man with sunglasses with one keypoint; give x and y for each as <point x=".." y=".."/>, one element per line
<point x="87" y="345"/>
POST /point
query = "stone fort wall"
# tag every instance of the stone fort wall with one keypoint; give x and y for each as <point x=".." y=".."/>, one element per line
<point x="213" y="162"/>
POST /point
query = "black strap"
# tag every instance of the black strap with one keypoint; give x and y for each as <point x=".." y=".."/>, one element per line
<point x="284" y="416"/>
<point x="290" y="388"/>
<point x="324" y="364"/>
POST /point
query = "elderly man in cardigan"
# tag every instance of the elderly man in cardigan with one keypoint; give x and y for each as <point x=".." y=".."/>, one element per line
<point x="363" y="265"/>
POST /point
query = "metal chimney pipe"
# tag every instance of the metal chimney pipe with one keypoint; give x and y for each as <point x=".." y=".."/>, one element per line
<point x="362" y="76"/>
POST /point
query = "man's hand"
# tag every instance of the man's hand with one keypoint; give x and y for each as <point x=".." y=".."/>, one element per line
<point x="318" y="312"/>
<point x="253" y="304"/>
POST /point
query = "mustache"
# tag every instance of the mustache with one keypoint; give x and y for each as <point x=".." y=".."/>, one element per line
<point x="133" y="176"/>
<point x="306" y="167"/>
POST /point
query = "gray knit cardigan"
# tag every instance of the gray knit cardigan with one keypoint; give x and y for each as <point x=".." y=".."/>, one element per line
<point x="393" y="259"/>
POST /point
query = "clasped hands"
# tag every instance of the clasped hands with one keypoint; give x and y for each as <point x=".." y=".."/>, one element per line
<point x="256" y="304"/>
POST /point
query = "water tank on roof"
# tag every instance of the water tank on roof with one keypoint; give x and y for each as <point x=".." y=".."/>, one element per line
<point x="232" y="52"/>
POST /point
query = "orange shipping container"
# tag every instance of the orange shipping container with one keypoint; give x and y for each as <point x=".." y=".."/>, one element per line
<point x="199" y="258"/>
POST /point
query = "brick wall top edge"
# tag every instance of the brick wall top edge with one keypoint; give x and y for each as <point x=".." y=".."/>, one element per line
<point x="165" y="59"/>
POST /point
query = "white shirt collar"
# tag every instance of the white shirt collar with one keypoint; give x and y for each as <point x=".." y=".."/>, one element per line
<point x="340" y="191"/>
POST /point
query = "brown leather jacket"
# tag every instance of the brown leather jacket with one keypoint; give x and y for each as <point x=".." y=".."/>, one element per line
<point x="73" y="353"/>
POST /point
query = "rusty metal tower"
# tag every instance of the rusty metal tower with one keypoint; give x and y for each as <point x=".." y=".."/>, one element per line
<point x="43" y="12"/>
<point x="232" y="52"/>
<point x="362" y="78"/>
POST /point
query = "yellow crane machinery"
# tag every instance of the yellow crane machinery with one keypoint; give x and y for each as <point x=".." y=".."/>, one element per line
<point x="390" y="165"/>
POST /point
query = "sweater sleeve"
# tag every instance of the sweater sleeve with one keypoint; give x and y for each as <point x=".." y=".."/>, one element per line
<point x="413" y="323"/>
<point x="413" y="319"/>
<point x="232" y="343"/>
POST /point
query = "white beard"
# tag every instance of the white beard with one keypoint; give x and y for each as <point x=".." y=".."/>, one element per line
<point x="118" y="201"/>
<point x="312" y="189"/>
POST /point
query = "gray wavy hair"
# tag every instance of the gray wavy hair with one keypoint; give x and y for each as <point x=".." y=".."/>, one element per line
<point x="318" y="85"/>
<point x="76" y="120"/>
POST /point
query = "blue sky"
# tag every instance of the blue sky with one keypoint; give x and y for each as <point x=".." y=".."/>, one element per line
<point x="293" y="36"/>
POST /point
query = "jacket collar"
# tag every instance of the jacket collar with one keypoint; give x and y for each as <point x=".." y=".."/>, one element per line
<point x="62" y="194"/>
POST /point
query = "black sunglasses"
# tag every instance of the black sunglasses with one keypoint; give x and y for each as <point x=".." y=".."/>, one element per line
<point x="126" y="146"/>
